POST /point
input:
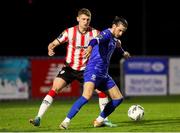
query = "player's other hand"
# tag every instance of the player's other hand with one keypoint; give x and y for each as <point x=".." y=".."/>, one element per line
<point x="51" y="52"/>
<point x="88" y="52"/>
<point x="51" y="47"/>
<point x="126" y="55"/>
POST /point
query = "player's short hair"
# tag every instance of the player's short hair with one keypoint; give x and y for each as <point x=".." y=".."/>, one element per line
<point x="84" y="11"/>
<point x="120" y="20"/>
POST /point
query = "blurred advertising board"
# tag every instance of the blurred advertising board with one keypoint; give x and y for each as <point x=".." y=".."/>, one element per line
<point x="14" y="78"/>
<point x="145" y="76"/>
<point x="174" y="76"/>
<point x="43" y="73"/>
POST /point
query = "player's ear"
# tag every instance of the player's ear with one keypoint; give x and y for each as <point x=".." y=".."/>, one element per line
<point x="77" y="18"/>
<point x="113" y="25"/>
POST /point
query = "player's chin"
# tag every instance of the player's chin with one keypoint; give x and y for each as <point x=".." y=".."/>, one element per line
<point x="116" y="36"/>
<point x="86" y="26"/>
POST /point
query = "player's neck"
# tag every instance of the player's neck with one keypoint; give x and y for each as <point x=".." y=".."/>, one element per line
<point x="82" y="30"/>
<point x="111" y="30"/>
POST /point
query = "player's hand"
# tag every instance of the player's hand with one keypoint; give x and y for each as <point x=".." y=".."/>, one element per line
<point x="126" y="55"/>
<point x="88" y="52"/>
<point x="51" y="52"/>
<point x="51" y="49"/>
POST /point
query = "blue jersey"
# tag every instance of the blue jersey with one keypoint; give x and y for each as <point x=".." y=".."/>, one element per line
<point x="101" y="54"/>
<point x="97" y="67"/>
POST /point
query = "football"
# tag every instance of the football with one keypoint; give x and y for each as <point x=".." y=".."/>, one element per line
<point x="136" y="112"/>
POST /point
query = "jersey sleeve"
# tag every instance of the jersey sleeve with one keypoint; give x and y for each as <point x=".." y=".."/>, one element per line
<point x="100" y="38"/>
<point x="121" y="50"/>
<point x="119" y="46"/>
<point x="63" y="37"/>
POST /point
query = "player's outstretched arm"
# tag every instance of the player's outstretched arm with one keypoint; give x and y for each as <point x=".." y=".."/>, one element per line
<point x="91" y="44"/>
<point x="88" y="52"/>
<point x="51" y="47"/>
<point x="124" y="53"/>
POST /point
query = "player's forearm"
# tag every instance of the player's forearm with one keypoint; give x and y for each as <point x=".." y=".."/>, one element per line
<point x="53" y="44"/>
<point x="121" y="50"/>
<point x="124" y="53"/>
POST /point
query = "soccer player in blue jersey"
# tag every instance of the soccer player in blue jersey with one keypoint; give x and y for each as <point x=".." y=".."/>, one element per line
<point x="96" y="74"/>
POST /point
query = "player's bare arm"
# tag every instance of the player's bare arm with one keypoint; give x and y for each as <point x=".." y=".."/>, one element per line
<point x="88" y="52"/>
<point x="91" y="44"/>
<point x="51" y="47"/>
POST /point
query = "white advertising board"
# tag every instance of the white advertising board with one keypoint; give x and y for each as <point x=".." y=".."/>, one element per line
<point x="145" y="76"/>
<point x="174" y="76"/>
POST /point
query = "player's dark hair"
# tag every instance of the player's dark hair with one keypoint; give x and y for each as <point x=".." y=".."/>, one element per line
<point x="84" y="11"/>
<point x="120" y="20"/>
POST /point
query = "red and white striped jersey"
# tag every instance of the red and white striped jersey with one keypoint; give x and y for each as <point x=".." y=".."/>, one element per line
<point x="77" y="45"/>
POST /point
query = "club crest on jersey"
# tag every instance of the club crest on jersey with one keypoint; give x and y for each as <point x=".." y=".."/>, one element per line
<point x="93" y="77"/>
<point x="100" y="36"/>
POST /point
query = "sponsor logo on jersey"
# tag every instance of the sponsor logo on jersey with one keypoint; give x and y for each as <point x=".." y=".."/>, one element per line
<point x="81" y="47"/>
<point x="100" y="36"/>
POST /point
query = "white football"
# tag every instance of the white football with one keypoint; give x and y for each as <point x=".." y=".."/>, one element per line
<point x="136" y="112"/>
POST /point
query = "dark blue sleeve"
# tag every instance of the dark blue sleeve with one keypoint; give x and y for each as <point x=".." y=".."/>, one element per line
<point x="104" y="36"/>
<point x="93" y="42"/>
<point x="101" y="38"/>
<point x="121" y="50"/>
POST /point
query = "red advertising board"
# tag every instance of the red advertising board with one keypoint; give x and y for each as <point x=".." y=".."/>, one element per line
<point x="43" y="72"/>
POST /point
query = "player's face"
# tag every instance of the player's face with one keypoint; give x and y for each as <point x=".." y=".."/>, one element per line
<point x="119" y="30"/>
<point x="84" y="21"/>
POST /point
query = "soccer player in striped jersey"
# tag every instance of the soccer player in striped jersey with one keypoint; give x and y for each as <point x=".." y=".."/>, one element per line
<point x="77" y="38"/>
<point x="96" y="72"/>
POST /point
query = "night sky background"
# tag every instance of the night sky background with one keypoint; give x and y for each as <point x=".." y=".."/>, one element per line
<point x="28" y="26"/>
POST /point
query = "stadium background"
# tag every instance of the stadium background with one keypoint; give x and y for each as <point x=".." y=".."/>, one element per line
<point x="27" y="27"/>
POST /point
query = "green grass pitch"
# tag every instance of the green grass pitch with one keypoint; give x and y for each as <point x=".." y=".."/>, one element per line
<point x="162" y="114"/>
